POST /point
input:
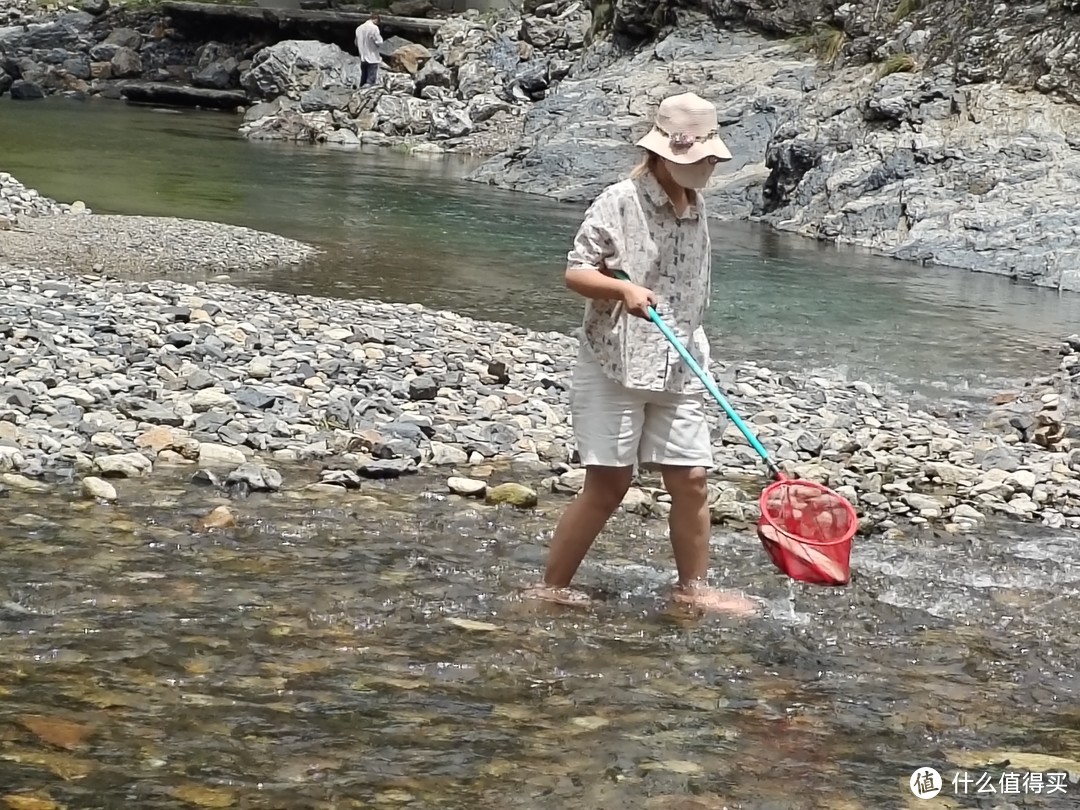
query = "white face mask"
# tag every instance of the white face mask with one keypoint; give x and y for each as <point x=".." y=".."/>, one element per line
<point x="694" y="175"/>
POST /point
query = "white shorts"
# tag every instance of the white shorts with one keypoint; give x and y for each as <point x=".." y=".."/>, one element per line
<point x="617" y="426"/>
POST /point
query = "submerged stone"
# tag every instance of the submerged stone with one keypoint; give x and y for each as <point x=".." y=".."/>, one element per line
<point x="517" y="495"/>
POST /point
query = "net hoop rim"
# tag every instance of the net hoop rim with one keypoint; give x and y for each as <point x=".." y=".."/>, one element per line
<point x="766" y="518"/>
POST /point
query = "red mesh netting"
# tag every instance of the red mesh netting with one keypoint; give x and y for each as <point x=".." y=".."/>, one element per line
<point x="806" y="529"/>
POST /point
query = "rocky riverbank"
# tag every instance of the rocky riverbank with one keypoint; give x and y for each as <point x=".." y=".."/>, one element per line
<point x="466" y="94"/>
<point x="16" y="200"/>
<point x="104" y="378"/>
<point x="941" y="133"/>
<point x="38" y="231"/>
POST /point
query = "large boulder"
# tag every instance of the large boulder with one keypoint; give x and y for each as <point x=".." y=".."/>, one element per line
<point x="408" y="58"/>
<point x="290" y="125"/>
<point x="395" y="115"/>
<point x="66" y="32"/>
<point x="290" y="67"/>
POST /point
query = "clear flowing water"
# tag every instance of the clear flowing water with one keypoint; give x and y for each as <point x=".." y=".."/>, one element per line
<point x="374" y="651"/>
<point x="410" y="229"/>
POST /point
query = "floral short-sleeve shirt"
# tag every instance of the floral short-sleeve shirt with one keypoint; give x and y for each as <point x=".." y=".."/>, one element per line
<point x="632" y="226"/>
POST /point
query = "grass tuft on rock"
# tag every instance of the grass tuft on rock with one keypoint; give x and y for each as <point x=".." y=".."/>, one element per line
<point x="825" y="42"/>
<point x="905" y="8"/>
<point x="897" y="63"/>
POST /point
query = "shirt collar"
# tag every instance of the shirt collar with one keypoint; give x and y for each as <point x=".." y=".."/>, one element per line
<point x="656" y="195"/>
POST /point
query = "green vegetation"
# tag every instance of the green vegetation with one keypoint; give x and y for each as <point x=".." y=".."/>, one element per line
<point x="826" y="42"/>
<point x="897" y="63"/>
<point x="905" y="8"/>
<point x="603" y="13"/>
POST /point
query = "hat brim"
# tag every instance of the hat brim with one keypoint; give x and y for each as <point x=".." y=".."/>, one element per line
<point x="660" y="144"/>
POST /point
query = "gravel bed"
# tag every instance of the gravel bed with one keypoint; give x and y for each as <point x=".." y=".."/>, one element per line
<point x="18" y="201"/>
<point x="145" y="245"/>
<point x="110" y="378"/>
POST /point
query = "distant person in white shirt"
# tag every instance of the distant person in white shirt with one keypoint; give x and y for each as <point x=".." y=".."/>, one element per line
<point x="368" y="40"/>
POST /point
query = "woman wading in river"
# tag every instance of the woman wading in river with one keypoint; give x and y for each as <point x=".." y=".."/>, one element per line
<point x="634" y="401"/>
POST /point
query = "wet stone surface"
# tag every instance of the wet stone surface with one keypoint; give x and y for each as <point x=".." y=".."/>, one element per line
<point x="182" y="648"/>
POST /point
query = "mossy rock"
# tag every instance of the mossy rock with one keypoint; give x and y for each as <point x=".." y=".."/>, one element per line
<point x="518" y="495"/>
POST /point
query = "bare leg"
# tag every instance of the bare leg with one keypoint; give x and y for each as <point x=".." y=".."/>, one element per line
<point x="690" y="527"/>
<point x="689" y="522"/>
<point x="579" y="526"/>
<point x="583" y="520"/>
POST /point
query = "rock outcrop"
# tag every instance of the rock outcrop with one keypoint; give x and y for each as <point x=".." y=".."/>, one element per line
<point x="467" y="94"/>
<point x="915" y="166"/>
<point x="207" y="21"/>
<point x="185" y="54"/>
<point x="942" y="133"/>
<point x="579" y="138"/>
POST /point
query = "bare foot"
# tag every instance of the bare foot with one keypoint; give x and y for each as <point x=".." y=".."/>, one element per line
<point x="715" y="601"/>
<point x="559" y="596"/>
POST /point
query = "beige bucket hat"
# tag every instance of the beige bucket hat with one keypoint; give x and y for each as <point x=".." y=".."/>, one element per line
<point x="686" y="131"/>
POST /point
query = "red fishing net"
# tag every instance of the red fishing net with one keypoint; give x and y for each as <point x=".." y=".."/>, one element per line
<point x="807" y="529"/>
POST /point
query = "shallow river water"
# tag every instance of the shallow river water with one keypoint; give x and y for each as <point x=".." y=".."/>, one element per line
<point x="374" y="651"/>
